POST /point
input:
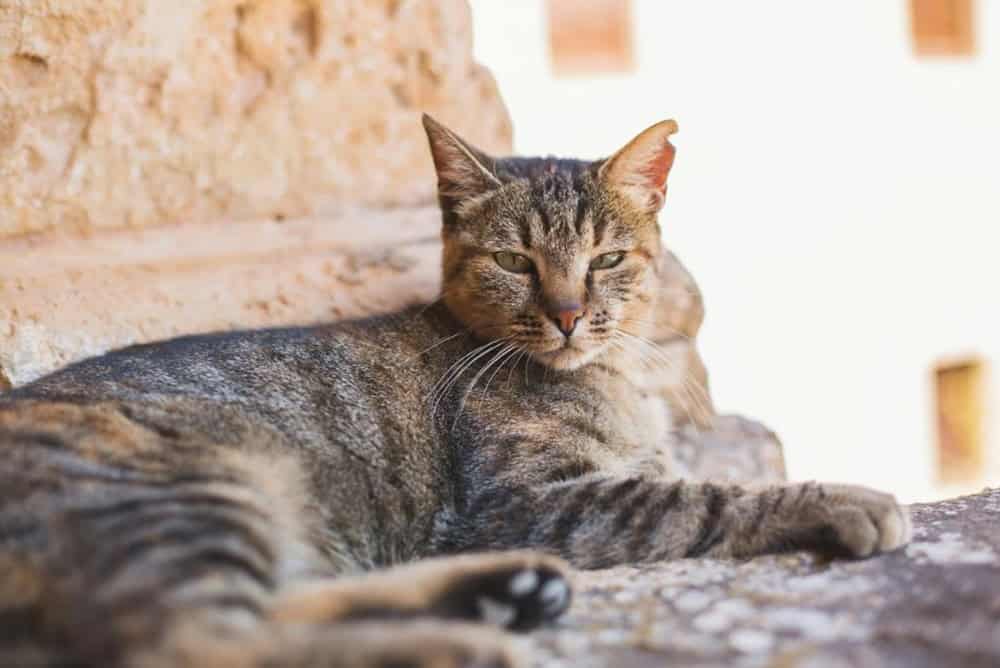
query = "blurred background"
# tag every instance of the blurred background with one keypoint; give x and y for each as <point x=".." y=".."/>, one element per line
<point x="173" y="167"/>
<point x="836" y="194"/>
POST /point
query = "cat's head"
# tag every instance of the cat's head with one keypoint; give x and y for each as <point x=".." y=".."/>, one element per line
<point x="557" y="257"/>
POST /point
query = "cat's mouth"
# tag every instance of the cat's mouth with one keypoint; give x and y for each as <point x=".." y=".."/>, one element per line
<point x="568" y="354"/>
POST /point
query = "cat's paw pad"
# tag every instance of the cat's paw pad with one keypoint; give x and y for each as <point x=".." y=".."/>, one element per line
<point x="526" y="599"/>
<point x="518" y="595"/>
<point x="522" y="599"/>
<point x="866" y="522"/>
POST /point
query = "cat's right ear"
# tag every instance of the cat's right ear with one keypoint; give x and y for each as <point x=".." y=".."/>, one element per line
<point x="639" y="170"/>
<point x="463" y="171"/>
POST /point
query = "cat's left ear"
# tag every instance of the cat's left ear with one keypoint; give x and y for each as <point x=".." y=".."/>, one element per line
<point x="463" y="171"/>
<point x="639" y="170"/>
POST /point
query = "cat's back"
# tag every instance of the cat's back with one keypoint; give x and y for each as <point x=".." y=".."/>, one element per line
<point x="282" y="367"/>
<point x="343" y="393"/>
<point x="338" y="404"/>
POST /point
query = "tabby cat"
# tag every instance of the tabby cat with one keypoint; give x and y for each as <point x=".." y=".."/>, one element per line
<point x="256" y="498"/>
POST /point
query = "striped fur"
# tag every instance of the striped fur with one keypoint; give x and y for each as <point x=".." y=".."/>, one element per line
<point x="256" y="498"/>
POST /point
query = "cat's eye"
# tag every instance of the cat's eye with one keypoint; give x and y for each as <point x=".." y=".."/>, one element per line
<point x="513" y="262"/>
<point x="607" y="261"/>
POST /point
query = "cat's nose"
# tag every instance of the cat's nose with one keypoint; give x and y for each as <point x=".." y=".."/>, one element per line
<point x="566" y="316"/>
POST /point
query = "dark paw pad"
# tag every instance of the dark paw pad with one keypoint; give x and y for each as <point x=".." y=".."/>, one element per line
<point x="513" y="598"/>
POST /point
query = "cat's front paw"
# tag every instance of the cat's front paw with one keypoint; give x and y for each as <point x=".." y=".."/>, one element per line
<point x="863" y="521"/>
<point x="833" y="520"/>
<point x="517" y="590"/>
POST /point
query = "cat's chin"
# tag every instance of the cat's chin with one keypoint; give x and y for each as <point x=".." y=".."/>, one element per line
<point x="565" y="358"/>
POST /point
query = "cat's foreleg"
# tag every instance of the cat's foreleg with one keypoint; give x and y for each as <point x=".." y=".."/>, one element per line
<point x="598" y="521"/>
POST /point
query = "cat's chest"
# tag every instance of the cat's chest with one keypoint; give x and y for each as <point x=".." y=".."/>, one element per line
<point x="638" y="416"/>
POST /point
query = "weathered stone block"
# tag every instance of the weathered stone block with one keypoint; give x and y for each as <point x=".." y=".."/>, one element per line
<point x="148" y="112"/>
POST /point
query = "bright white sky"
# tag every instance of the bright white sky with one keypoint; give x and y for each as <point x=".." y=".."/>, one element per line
<point x="837" y="199"/>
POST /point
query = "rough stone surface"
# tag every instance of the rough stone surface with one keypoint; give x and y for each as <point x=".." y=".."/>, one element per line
<point x="62" y="299"/>
<point x="146" y="112"/>
<point x="728" y="448"/>
<point x="934" y="603"/>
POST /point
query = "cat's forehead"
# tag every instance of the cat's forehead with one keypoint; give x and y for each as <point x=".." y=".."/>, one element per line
<point x="550" y="205"/>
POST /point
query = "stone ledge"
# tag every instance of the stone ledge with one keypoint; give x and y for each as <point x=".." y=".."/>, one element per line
<point x="934" y="603"/>
<point x="66" y="297"/>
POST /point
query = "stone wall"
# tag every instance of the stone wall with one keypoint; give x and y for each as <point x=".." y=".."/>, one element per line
<point x="146" y="112"/>
<point x="179" y="166"/>
<point x="66" y="297"/>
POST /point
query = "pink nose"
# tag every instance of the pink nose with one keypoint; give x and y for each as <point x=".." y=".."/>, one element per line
<point x="566" y="316"/>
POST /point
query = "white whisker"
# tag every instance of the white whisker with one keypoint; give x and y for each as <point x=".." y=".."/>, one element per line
<point x="457" y="369"/>
<point x="436" y="344"/>
<point x="475" y="379"/>
<point x="511" y="352"/>
<point x="652" y="353"/>
<point x="657" y="325"/>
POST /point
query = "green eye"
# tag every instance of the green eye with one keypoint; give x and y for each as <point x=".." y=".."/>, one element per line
<point x="607" y="260"/>
<point x="513" y="262"/>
